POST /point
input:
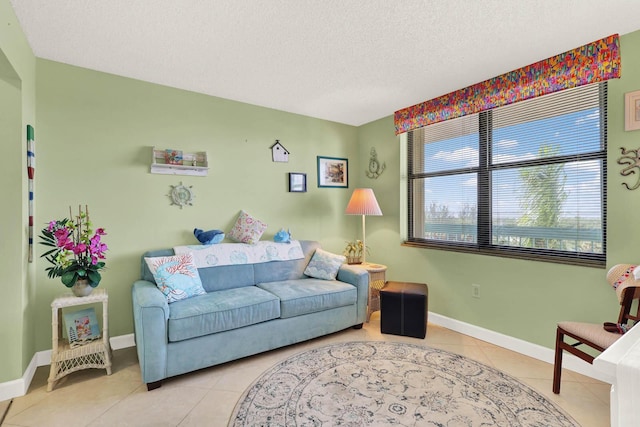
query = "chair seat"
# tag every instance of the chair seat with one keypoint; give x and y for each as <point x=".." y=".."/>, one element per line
<point x="594" y="335"/>
<point x="592" y="332"/>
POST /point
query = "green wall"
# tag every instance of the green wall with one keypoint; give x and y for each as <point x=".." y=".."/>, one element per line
<point x="95" y="137"/>
<point x="17" y="107"/>
<point x="523" y="299"/>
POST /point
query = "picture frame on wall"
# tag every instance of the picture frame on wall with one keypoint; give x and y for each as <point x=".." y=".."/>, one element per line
<point x="632" y="110"/>
<point x="297" y="182"/>
<point x="333" y="172"/>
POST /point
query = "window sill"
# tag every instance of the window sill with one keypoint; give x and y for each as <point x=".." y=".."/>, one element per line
<point x="527" y="255"/>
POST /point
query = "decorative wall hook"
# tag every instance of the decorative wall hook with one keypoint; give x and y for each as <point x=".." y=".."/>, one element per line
<point x="631" y="161"/>
<point x="375" y="168"/>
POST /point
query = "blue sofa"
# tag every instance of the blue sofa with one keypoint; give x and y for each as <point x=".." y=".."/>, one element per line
<point x="248" y="309"/>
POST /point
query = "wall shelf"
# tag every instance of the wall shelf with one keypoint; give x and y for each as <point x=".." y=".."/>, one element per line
<point x="176" y="162"/>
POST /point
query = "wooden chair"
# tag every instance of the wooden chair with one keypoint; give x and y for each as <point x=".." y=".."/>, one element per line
<point x="594" y="335"/>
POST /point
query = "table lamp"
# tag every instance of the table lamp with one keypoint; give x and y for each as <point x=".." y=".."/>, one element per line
<point x="363" y="202"/>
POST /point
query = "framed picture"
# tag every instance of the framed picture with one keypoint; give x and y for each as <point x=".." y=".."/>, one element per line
<point x="632" y="110"/>
<point x="297" y="182"/>
<point x="81" y="327"/>
<point x="333" y="172"/>
<point x="173" y="157"/>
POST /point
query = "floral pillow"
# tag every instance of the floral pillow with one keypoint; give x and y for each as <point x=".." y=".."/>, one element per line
<point x="176" y="276"/>
<point x="324" y="265"/>
<point x="247" y="229"/>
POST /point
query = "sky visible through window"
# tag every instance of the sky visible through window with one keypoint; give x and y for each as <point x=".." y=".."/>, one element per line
<point x="569" y="134"/>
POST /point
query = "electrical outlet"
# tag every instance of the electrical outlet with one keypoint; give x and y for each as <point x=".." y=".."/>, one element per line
<point x="475" y="290"/>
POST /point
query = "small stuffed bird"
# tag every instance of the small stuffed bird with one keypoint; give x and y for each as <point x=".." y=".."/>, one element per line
<point x="282" y="236"/>
<point x="210" y="237"/>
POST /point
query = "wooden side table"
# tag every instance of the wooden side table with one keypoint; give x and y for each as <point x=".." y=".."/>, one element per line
<point x="377" y="280"/>
<point x="95" y="354"/>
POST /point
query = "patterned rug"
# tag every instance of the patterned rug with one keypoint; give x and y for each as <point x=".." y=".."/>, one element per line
<point x="384" y="383"/>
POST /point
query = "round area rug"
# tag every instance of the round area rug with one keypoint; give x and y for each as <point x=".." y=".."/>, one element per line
<point x="383" y="383"/>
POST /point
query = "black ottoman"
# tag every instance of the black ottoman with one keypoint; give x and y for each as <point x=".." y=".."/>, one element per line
<point x="404" y="309"/>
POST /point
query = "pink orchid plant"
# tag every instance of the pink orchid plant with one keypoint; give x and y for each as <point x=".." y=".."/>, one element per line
<point x="77" y="250"/>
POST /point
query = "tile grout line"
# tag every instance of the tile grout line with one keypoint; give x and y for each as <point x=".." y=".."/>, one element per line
<point x="6" y="411"/>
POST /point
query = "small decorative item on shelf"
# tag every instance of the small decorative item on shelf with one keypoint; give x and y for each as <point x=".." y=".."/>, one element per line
<point x="354" y="251"/>
<point x="76" y="252"/>
<point x="173" y="157"/>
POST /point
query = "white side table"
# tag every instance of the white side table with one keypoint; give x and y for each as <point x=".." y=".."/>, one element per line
<point x="377" y="280"/>
<point x="96" y="354"/>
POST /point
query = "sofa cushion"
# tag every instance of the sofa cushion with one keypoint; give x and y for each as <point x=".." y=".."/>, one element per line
<point x="247" y="229"/>
<point x="146" y="272"/>
<point x="276" y="271"/>
<point x="324" y="265"/>
<point x="221" y="311"/>
<point x="176" y="276"/>
<point x="310" y="295"/>
<point x="227" y="277"/>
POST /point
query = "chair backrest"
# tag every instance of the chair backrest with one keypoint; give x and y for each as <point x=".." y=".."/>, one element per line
<point x="629" y="297"/>
<point x="630" y="312"/>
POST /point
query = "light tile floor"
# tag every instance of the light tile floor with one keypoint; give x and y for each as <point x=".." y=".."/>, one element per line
<point x="208" y="397"/>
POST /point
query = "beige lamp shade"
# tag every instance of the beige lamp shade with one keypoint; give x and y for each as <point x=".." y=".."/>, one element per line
<point x="363" y="202"/>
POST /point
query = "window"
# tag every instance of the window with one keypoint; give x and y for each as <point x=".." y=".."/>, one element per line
<point x="525" y="180"/>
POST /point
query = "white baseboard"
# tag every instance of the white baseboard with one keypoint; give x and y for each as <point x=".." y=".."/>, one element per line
<point x="19" y="387"/>
<point x="122" y="341"/>
<point x="569" y="361"/>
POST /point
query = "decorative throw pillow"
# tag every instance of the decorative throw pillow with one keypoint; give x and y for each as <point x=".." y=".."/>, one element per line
<point x="324" y="265"/>
<point x="247" y="229"/>
<point x="176" y="276"/>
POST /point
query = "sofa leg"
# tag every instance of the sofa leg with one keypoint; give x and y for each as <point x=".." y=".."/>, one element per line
<point x="154" y="385"/>
<point x="358" y="326"/>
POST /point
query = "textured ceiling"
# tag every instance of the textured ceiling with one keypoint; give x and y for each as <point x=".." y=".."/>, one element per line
<point x="349" y="61"/>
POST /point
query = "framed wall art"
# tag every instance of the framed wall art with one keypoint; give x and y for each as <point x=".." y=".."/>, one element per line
<point x="297" y="182"/>
<point x="81" y="327"/>
<point x="333" y="172"/>
<point x="632" y="110"/>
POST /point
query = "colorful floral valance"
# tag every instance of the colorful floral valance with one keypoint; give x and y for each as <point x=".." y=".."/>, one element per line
<point x="591" y="63"/>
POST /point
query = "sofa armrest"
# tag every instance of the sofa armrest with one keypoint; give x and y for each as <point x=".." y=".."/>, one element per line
<point x="150" y="315"/>
<point x="358" y="277"/>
